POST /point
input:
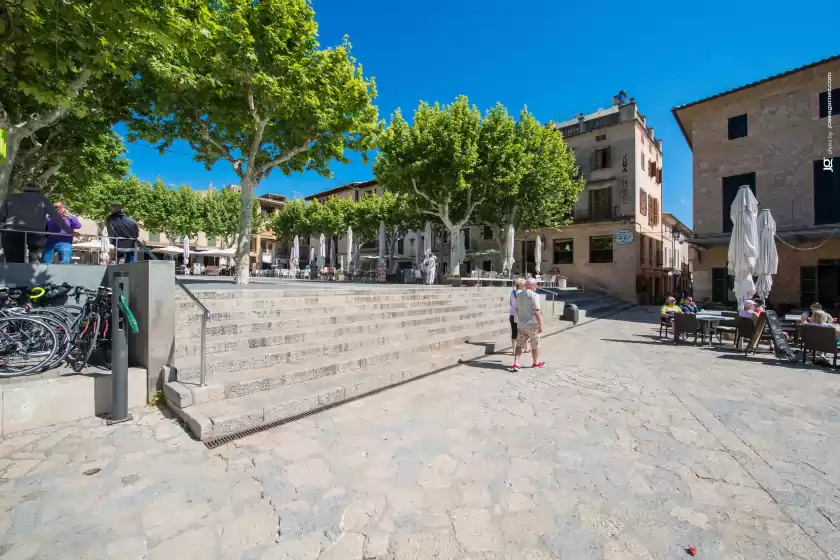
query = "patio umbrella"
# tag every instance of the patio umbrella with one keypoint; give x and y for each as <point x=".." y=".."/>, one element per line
<point x="537" y="254"/>
<point x="510" y="243"/>
<point x="356" y="253"/>
<point x="767" y="262"/>
<point x="332" y="250"/>
<point x="322" y="246"/>
<point x="427" y="238"/>
<point x="274" y="253"/>
<point x="186" y="251"/>
<point x="743" y="245"/>
<point x="349" y="241"/>
<point x="171" y="250"/>
<point x="294" y="258"/>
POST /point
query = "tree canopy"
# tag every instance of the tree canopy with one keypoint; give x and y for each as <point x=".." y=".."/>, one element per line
<point x="221" y="214"/>
<point x="80" y="58"/>
<point x="255" y="89"/>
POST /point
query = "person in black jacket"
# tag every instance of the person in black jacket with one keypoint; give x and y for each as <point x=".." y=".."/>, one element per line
<point x="121" y="226"/>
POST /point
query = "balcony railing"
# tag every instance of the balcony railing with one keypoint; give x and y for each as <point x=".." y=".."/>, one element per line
<point x="583" y="215"/>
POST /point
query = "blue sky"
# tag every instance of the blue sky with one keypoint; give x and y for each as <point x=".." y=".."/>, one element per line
<point x="558" y="58"/>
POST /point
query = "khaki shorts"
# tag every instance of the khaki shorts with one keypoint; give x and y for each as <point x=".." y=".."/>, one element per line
<point x="524" y="335"/>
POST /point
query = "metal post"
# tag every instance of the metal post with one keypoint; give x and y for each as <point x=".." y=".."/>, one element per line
<point x="204" y="317"/>
<point x="119" y="352"/>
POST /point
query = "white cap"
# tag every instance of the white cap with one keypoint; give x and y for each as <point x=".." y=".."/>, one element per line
<point x="749" y="302"/>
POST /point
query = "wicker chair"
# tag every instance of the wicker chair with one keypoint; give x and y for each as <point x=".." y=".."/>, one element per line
<point x="685" y="323"/>
<point x="664" y="324"/>
<point x="819" y="339"/>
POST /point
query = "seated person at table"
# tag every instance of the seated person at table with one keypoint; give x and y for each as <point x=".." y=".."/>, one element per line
<point x="689" y="306"/>
<point x="749" y="311"/>
<point x="815" y="307"/>
<point x="670" y="308"/>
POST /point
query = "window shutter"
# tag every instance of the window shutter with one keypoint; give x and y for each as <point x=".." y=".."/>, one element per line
<point x="607" y="158"/>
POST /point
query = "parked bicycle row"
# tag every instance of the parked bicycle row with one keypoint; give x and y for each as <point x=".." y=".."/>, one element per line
<point x="37" y="333"/>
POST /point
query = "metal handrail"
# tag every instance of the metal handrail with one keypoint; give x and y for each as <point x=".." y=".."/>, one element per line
<point x="205" y="315"/>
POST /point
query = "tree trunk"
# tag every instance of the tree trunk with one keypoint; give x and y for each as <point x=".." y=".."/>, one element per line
<point x="12" y="143"/>
<point x="455" y="250"/>
<point x="243" y="245"/>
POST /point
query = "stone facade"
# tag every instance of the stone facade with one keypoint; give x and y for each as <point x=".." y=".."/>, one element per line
<point x="784" y="135"/>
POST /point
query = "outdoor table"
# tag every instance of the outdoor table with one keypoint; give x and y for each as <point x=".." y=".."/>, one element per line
<point x="793" y="318"/>
<point x="706" y="319"/>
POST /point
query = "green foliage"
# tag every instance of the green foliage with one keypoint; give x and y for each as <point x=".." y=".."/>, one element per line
<point x="434" y="160"/>
<point x="291" y="220"/>
<point x="80" y="58"/>
<point x="531" y="177"/>
<point x="174" y="212"/>
<point x="254" y="88"/>
<point x="330" y="217"/>
<point x="221" y="214"/>
<point x="94" y="202"/>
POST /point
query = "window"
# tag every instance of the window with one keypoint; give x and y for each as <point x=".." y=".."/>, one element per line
<point x="211" y="241"/>
<point x="466" y="238"/>
<point x="486" y="266"/>
<point x="154" y="238"/>
<point x="643" y="202"/>
<point x="659" y="176"/>
<point x="653" y="211"/>
<point x="600" y="137"/>
<point x="488" y="232"/>
<point x="642" y="250"/>
<point x="600" y="204"/>
<point x="650" y="251"/>
<point x="730" y="186"/>
<point x="658" y="253"/>
<point x="643" y="160"/>
<point x="602" y="158"/>
<point x="401" y="246"/>
<point x="651" y="168"/>
<point x="826" y="193"/>
<point x="564" y="251"/>
<point x="737" y="126"/>
<point x="835" y="103"/>
<point x="601" y="249"/>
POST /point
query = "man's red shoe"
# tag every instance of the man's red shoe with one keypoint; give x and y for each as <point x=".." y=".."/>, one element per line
<point x="539" y="364"/>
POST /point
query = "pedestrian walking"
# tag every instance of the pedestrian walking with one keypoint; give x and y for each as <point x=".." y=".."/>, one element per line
<point x="124" y="232"/>
<point x="529" y="323"/>
<point x="61" y="244"/>
<point x="519" y="285"/>
<point x="24" y="213"/>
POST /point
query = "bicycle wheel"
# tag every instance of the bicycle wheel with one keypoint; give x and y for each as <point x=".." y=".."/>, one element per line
<point x="62" y="332"/>
<point x="86" y="342"/>
<point x="27" y="345"/>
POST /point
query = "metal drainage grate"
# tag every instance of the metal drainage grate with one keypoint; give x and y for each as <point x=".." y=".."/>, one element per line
<point x="219" y="441"/>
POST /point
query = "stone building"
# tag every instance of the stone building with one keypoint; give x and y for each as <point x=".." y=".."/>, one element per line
<point x="775" y="136"/>
<point x="678" y="253"/>
<point x="615" y="242"/>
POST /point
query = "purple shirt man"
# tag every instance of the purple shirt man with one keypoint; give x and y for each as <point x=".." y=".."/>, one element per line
<point x="61" y="244"/>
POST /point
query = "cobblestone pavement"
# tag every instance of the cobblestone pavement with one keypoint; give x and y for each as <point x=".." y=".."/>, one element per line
<point x="623" y="447"/>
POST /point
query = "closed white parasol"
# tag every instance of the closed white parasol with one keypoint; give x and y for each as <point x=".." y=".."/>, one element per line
<point x="294" y="258"/>
<point x="349" y="243"/>
<point x="768" y="257"/>
<point x="510" y="244"/>
<point x="743" y="245"/>
<point x="537" y="255"/>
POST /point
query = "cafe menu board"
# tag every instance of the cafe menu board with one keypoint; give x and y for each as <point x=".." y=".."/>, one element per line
<point x="780" y="344"/>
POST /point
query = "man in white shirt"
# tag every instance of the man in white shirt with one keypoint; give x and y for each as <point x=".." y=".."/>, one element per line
<point x="529" y="323"/>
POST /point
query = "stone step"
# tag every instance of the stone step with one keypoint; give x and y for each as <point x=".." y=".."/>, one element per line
<point x="218" y="418"/>
<point x="292" y="354"/>
<point x="298" y="328"/>
<point x="318" y="300"/>
<point x="327" y="334"/>
<point x="322" y="290"/>
<point x="281" y="317"/>
<point x="184" y="392"/>
<point x="194" y="315"/>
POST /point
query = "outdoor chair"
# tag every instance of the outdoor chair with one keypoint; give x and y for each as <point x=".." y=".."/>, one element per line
<point x="819" y="339"/>
<point x="664" y="323"/>
<point x="685" y="324"/>
<point x="746" y="330"/>
<point x="728" y="326"/>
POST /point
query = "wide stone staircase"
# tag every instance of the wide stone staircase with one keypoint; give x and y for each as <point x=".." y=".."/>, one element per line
<point x="591" y="304"/>
<point x="275" y="354"/>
